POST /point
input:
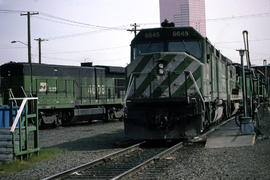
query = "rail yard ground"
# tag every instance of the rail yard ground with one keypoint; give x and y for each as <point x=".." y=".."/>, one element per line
<point x="87" y="142"/>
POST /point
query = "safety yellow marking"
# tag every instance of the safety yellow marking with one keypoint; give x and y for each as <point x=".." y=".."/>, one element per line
<point x="253" y="139"/>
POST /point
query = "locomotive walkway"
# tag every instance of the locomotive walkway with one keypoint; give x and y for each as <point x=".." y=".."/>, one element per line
<point x="229" y="136"/>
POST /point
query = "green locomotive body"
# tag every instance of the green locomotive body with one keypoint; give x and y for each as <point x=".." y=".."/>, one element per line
<point x="179" y="84"/>
<point x="67" y="93"/>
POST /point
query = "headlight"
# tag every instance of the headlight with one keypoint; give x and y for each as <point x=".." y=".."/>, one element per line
<point x="161" y="71"/>
<point x="161" y="65"/>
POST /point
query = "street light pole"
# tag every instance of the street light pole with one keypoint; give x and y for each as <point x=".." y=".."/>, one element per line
<point x="19" y="42"/>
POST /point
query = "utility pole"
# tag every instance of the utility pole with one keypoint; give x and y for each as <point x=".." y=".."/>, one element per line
<point x="28" y="14"/>
<point x="134" y="29"/>
<point x="39" y="48"/>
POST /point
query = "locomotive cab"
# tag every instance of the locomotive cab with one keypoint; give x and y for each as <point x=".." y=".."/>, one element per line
<point x="168" y="39"/>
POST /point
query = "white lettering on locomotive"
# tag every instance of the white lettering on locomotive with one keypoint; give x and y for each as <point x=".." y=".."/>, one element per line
<point x="52" y="89"/>
<point x="43" y="87"/>
<point x="152" y="35"/>
<point x="103" y="89"/>
<point x="180" y="33"/>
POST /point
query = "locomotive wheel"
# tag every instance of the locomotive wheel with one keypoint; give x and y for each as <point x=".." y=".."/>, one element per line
<point x="57" y="122"/>
<point x="108" y="115"/>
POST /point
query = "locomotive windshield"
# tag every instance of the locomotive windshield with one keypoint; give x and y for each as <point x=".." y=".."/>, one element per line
<point x="193" y="48"/>
<point x="147" y="48"/>
<point x="172" y="39"/>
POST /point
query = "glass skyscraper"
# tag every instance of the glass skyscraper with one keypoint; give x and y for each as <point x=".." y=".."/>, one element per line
<point x="184" y="13"/>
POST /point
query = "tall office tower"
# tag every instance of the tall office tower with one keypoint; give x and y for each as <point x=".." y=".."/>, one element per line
<point x="184" y="13"/>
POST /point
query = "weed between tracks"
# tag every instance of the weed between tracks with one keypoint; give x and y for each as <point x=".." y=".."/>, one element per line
<point x="17" y="165"/>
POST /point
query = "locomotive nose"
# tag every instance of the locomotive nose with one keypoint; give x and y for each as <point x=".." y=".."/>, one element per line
<point x="159" y="120"/>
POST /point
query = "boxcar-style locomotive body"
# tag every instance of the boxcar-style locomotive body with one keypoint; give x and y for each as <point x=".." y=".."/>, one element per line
<point x="178" y="84"/>
<point x="67" y="93"/>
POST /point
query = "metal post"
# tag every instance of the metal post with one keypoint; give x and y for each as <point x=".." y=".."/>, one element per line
<point x="39" y="48"/>
<point x="28" y="14"/>
<point x="266" y="76"/>
<point x="39" y="51"/>
<point x="247" y="126"/>
<point x="242" y="52"/>
<point x="258" y="88"/>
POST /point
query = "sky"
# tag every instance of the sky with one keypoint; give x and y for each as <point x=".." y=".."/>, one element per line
<point x="96" y="31"/>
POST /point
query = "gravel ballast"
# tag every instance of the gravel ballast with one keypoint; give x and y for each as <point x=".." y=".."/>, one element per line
<point x="82" y="143"/>
<point x="194" y="161"/>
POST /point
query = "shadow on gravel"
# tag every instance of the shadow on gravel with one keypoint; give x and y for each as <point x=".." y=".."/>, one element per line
<point x="101" y="141"/>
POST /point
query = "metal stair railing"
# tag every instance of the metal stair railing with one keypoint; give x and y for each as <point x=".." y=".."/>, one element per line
<point x="25" y="122"/>
<point x="189" y="73"/>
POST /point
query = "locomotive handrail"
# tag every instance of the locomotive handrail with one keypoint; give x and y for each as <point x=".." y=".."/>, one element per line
<point x="24" y="92"/>
<point x="11" y="95"/>
<point x="19" y="113"/>
<point x="130" y="82"/>
<point x="196" y="87"/>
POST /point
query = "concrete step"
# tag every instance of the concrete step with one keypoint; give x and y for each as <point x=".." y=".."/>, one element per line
<point x="8" y="150"/>
<point x="6" y="144"/>
<point x="6" y="156"/>
<point x="5" y="131"/>
<point x="6" y="137"/>
<point x="5" y="161"/>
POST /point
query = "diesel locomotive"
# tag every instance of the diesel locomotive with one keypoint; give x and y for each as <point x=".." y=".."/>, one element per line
<point x="66" y="93"/>
<point x="179" y="84"/>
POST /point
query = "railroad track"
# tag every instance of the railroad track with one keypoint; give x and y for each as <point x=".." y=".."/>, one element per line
<point x="126" y="162"/>
<point x="117" y="165"/>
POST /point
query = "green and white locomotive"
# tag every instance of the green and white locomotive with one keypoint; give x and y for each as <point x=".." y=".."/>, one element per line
<point x="178" y="84"/>
<point x="66" y="93"/>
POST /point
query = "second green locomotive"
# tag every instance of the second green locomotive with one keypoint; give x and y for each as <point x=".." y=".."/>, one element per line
<point x="67" y="93"/>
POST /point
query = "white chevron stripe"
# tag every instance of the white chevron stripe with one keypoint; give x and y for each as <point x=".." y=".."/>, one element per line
<point x="142" y="76"/>
<point x="132" y="66"/>
<point x="144" y="73"/>
<point x="170" y="67"/>
<point x="181" y="78"/>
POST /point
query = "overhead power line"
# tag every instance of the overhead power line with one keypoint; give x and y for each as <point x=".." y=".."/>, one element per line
<point x="90" y="50"/>
<point x="62" y="20"/>
<point x="12" y="11"/>
<point x="59" y="22"/>
<point x="232" y="42"/>
<point x="239" y="17"/>
<point x="73" y="35"/>
<point x="80" y="23"/>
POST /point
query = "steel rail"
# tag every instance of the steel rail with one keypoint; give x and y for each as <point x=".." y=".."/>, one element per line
<point x="132" y="148"/>
<point x="200" y="137"/>
<point x="97" y="161"/>
<point x="170" y="150"/>
<point x="149" y="161"/>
